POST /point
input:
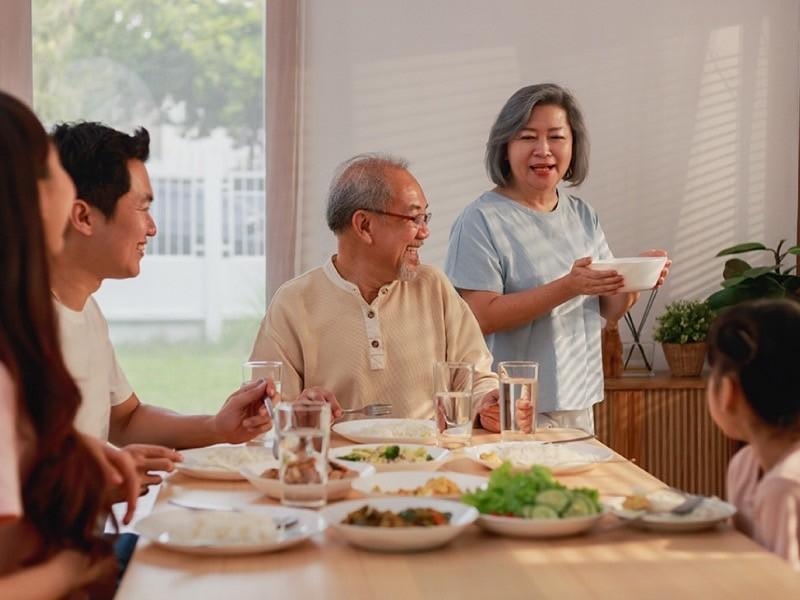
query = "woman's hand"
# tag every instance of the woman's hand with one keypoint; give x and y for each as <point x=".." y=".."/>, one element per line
<point x="667" y="265"/>
<point x="148" y="458"/>
<point x="585" y="281"/>
<point x="119" y="470"/>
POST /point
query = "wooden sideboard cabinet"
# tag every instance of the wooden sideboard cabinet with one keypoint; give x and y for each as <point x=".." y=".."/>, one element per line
<point x="662" y="424"/>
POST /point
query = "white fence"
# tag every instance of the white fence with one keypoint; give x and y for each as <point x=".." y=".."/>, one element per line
<point x="205" y="265"/>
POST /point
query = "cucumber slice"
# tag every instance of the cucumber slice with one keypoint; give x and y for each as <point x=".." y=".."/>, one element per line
<point x="539" y="511"/>
<point x="558" y="500"/>
<point x="581" y="507"/>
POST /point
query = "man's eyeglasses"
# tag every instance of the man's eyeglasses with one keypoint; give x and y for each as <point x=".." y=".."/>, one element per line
<point x="418" y="220"/>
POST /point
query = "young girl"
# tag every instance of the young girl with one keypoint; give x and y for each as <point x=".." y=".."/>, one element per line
<point x="53" y="480"/>
<point x="754" y="352"/>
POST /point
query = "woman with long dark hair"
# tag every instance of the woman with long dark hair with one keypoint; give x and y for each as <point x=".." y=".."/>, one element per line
<point x="54" y="482"/>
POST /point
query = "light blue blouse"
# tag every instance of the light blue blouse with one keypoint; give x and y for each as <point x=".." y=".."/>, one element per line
<point x="499" y="245"/>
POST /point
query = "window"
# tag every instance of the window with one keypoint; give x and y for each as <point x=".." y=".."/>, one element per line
<point x="192" y="73"/>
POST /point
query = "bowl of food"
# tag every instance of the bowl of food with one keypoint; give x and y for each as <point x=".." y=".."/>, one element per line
<point x="263" y="476"/>
<point x="534" y="505"/>
<point x="398" y="524"/>
<point x="639" y="272"/>
<point x="393" y="457"/>
<point x="424" y="484"/>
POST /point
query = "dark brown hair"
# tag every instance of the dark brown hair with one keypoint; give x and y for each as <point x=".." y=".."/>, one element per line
<point x="96" y="157"/>
<point x="759" y="344"/>
<point x="63" y="496"/>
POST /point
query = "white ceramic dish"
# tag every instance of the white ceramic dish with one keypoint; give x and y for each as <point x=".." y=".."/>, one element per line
<point x="640" y="272"/>
<point x="709" y="513"/>
<point x="562" y="459"/>
<point x="171" y="529"/>
<point x="220" y="462"/>
<point x="537" y="528"/>
<point x="438" y="456"/>
<point x="399" y="539"/>
<point x="336" y="488"/>
<point x="389" y="483"/>
<point x="376" y="431"/>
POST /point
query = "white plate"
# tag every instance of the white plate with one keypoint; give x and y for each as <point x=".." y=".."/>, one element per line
<point x="562" y="459"/>
<point x="438" y="456"/>
<point x="710" y="512"/>
<point x="376" y="431"/>
<point x="221" y="462"/>
<point x="537" y="528"/>
<point x="336" y="488"/>
<point x="390" y="482"/>
<point x="399" y="539"/>
<point x="169" y="529"/>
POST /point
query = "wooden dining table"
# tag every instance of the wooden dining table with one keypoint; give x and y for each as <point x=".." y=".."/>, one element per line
<point x="613" y="560"/>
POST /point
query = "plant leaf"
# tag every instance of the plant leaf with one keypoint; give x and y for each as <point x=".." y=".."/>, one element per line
<point x="733" y="295"/>
<point x="794" y="250"/>
<point x="745" y="247"/>
<point x="733" y="281"/>
<point x="734" y="267"/>
<point x="757" y="272"/>
<point x="789" y="270"/>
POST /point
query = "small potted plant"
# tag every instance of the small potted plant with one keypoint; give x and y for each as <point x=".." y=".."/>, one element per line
<point x="682" y="331"/>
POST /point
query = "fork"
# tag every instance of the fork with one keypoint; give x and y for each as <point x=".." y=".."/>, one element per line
<point x="370" y="410"/>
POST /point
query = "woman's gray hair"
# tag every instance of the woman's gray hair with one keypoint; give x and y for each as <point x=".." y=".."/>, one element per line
<point x="515" y="115"/>
<point x="360" y="183"/>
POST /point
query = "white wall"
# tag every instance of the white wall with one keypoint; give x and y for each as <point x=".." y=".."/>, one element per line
<point x="692" y="108"/>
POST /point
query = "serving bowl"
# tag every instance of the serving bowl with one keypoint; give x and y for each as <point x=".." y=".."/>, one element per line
<point x="335" y="488"/>
<point x="639" y="272"/>
<point x="399" y="539"/>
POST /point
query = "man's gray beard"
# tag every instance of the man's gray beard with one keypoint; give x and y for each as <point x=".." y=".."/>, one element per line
<point x="406" y="273"/>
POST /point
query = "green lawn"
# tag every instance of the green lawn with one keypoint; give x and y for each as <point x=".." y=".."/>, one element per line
<point x="189" y="377"/>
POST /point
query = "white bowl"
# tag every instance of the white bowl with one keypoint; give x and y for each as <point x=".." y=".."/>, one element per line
<point x="399" y="539"/>
<point x="389" y="483"/>
<point x="336" y="488"/>
<point x="640" y="272"/>
<point x="438" y="456"/>
<point x="537" y="528"/>
<point x="222" y="461"/>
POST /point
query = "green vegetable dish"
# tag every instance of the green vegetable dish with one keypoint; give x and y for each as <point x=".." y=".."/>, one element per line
<point x="388" y="454"/>
<point x="532" y="494"/>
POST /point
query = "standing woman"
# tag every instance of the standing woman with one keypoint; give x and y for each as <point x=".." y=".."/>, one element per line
<point x="520" y="254"/>
<point x="53" y="481"/>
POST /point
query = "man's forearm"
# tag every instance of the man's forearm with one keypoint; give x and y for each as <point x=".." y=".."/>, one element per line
<point x="154" y="425"/>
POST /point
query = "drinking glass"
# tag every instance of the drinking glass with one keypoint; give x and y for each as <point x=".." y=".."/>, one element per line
<point x="518" y="394"/>
<point x="303" y="435"/>
<point x="263" y="369"/>
<point x="452" y="390"/>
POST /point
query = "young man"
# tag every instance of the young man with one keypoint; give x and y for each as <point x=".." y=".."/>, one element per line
<point x="109" y="226"/>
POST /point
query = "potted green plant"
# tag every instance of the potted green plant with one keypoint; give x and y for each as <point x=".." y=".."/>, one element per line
<point x="741" y="281"/>
<point x="682" y="330"/>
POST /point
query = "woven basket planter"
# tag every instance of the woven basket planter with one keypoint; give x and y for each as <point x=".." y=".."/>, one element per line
<point x="685" y="360"/>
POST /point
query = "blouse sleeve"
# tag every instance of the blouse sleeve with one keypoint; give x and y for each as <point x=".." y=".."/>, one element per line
<point x="473" y="262"/>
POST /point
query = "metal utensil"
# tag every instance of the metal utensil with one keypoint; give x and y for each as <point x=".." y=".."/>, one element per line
<point x="370" y="410"/>
<point x="684" y="508"/>
<point x="280" y="522"/>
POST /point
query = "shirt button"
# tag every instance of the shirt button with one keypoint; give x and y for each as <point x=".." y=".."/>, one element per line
<point x="384" y="290"/>
<point x="371" y="314"/>
<point x="375" y="343"/>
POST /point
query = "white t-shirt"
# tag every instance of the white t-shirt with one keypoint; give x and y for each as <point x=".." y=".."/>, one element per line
<point x="91" y="361"/>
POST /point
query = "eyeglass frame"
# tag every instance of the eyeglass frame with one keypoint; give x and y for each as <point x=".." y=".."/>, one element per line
<point x="419" y="220"/>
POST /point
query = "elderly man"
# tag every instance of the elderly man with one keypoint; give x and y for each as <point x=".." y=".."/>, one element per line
<point x="368" y="325"/>
<point x="109" y="225"/>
